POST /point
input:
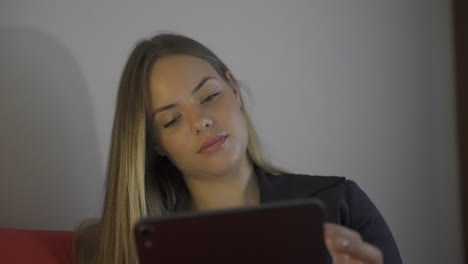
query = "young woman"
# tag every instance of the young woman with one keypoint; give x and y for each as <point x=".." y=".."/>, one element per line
<point x="182" y="140"/>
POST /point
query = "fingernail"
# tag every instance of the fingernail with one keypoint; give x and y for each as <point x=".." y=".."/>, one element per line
<point x="343" y="242"/>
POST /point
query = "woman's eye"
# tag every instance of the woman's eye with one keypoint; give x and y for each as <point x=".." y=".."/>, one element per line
<point x="172" y="122"/>
<point x="209" y="98"/>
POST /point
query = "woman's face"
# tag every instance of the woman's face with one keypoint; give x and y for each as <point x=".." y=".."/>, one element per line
<point x="192" y="104"/>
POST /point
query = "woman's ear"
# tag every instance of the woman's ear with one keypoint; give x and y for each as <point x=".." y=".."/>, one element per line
<point x="234" y="85"/>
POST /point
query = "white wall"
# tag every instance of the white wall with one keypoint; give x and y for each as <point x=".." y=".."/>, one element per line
<point x="362" y="89"/>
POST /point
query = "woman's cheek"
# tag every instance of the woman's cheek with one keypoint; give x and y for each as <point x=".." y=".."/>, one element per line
<point x="227" y="107"/>
<point x="179" y="143"/>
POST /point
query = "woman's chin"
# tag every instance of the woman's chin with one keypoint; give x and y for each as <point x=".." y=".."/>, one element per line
<point x="222" y="163"/>
<point x="218" y="167"/>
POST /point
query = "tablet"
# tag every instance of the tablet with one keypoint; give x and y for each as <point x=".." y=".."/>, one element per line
<point x="273" y="233"/>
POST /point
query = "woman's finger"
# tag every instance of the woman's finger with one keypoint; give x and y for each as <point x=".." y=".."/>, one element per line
<point x="337" y="231"/>
<point x="338" y="257"/>
<point x="342" y="240"/>
<point x="366" y="252"/>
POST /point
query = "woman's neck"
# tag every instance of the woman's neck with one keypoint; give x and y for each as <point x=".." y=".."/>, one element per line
<point x="238" y="189"/>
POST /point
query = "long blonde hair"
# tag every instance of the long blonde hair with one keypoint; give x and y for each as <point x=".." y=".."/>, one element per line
<point x="140" y="183"/>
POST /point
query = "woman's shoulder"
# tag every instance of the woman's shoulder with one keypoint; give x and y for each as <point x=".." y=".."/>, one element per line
<point x="312" y="183"/>
<point x="292" y="185"/>
<point x="339" y="195"/>
<point x="346" y="203"/>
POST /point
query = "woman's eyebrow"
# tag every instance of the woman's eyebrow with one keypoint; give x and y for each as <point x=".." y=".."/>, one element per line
<point x="199" y="85"/>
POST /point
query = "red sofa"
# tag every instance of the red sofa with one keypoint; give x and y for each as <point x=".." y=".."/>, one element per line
<point x="35" y="246"/>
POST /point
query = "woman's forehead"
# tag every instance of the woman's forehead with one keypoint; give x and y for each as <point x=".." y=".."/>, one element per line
<point x="180" y="69"/>
<point x="177" y="75"/>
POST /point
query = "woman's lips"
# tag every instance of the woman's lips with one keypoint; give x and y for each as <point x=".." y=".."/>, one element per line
<point x="213" y="144"/>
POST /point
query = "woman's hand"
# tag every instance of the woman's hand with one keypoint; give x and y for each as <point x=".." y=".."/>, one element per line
<point x="346" y="246"/>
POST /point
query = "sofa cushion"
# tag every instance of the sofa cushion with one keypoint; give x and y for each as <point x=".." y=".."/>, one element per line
<point x="35" y="246"/>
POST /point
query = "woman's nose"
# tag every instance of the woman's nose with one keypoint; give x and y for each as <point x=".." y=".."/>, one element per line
<point x="200" y="123"/>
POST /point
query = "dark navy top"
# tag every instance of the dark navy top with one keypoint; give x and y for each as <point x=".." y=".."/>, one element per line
<point x="345" y="204"/>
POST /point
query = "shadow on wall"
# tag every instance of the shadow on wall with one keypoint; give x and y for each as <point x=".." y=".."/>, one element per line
<point x="49" y="162"/>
